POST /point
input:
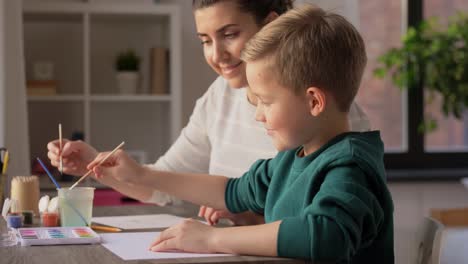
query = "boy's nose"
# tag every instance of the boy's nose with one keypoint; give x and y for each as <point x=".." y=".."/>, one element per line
<point x="259" y="115"/>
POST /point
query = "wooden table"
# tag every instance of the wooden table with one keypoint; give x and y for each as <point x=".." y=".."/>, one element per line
<point x="71" y="254"/>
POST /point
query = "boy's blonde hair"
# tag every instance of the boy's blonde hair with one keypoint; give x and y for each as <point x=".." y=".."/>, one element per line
<point x="308" y="47"/>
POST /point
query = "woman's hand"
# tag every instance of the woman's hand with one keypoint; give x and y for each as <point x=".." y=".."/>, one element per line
<point x="119" y="166"/>
<point x="212" y="216"/>
<point x="75" y="154"/>
<point x="188" y="236"/>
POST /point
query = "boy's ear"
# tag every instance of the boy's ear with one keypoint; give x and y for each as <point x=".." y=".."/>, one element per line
<point x="316" y="99"/>
<point x="271" y="16"/>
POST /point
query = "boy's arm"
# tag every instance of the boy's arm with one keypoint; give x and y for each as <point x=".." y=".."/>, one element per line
<point x="196" y="188"/>
<point x="248" y="240"/>
<point x="193" y="236"/>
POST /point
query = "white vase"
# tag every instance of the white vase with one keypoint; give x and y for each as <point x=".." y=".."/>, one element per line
<point x="127" y="82"/>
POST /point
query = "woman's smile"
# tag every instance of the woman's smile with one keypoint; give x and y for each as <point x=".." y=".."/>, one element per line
<point x="230" y="70"/>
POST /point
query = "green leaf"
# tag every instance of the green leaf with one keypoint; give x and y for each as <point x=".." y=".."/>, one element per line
<point x="427" y="126"/>
<point x="435" y="55"/>
<point x="380" y="73"/>
<point x="127" y="61"/>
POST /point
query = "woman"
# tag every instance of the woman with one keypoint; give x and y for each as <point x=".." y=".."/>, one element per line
<point x="222" y="137"/>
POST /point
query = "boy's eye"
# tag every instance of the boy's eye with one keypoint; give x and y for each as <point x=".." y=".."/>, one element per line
<point x="264" y="103"/>
<point x="205" y="41"/>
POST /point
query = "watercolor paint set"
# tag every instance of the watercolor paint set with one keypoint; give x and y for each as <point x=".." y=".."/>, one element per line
<point x="57" y="236"/>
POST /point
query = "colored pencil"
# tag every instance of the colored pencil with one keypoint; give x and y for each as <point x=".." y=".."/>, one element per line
<point x="5" y="162"/>
<point x="105" y="228"/>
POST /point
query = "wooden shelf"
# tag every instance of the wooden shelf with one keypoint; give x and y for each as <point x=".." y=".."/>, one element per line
<point x="81" y="39"/>
<point x="101" y="98"/>
<point x="56" y="98"/>
<point x="131" y="98"/>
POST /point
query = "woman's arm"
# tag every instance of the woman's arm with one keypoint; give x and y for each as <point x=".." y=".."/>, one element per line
<point x="196" y="188"/>
<point x="77" y="155"/>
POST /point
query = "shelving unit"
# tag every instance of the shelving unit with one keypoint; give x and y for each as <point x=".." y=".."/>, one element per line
<point x="81" y="39"/>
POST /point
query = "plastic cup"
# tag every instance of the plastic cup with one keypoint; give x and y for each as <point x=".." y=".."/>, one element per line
<point x="76" y="206"/>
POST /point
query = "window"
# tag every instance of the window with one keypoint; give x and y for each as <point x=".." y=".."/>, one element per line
<point x="380" y="24"/>
<point x="452" y="134"/>
<point x="449" y="160"/>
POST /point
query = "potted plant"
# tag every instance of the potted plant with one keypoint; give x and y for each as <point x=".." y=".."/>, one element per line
<point x="438" y="55"/>
<point x="127" y="65"/>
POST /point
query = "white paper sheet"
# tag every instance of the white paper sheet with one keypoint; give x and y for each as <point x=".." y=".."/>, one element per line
<point x="139" y="221"/>
<point x="132" y="246"/>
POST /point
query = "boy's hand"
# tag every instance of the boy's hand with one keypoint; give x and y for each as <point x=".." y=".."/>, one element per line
<point x="76" y="155"/>
<point x="188" y="236"/>
<point x="212" y="216"/>
<point x="119" y="166"/>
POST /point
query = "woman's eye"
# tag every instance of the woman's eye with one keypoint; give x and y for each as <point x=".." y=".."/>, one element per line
<point x="230" y="35"/>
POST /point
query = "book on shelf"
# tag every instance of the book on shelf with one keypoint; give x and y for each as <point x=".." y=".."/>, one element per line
<point x="159" y="60"/>
<point x="41" y="87"/>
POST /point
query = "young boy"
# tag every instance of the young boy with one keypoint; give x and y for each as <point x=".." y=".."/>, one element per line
<point x="324" y="195"/>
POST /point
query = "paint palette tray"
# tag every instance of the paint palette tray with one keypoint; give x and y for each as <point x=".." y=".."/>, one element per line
<point x="57" y="236"/>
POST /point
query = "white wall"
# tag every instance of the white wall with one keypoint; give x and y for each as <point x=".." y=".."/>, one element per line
<point x="2" y="73"/>
<point x="13" y="120"/>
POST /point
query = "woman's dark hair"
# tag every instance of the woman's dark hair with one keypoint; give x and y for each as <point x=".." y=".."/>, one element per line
<point x="258" y="8"/>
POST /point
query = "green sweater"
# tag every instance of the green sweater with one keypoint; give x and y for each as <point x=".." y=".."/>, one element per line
<point x="334" y="203"/>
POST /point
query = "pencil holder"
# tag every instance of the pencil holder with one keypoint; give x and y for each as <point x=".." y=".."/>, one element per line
<point x="25" y="189"/>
